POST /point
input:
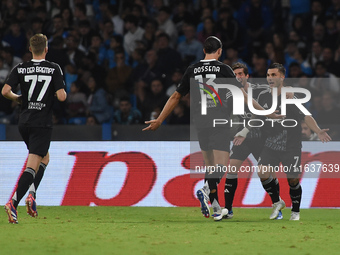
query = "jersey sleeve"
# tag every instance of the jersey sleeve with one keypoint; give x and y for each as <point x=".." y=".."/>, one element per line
<point x="295" y="111"/>
<point x="13" y="78"/>
<point x="257" y="89"/>
<point x="58" y="78"/>
<point x="184" y="86"/>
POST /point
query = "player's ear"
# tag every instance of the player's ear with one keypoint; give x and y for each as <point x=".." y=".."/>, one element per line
<point x="30" y="49"/>
<point x="204" y="51"/>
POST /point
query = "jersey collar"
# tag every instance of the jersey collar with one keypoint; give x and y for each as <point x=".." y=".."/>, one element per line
<point x="208" y="60"/>
<point x="38" y="60"/>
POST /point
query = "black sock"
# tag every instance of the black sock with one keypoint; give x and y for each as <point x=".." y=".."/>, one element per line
<point x="34" y="186"/>
<point x="277" y="185"/>
<point x="270" y="186"/>
<point x="213" y="182"/>
<point x="24" y="183"/>
<point x="295" y="193"/>
<point x="229" y="190"/>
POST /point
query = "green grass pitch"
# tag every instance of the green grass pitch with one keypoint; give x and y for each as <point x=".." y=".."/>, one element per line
<point x="153" y="230"/>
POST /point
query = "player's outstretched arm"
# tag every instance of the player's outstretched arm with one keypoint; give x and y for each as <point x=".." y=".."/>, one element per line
<point x="61" y="95"/>
<point x="257" y="106"/>
<point x="322" y="133"/>
<point x="168" y="108"/>
<point x="8" y="93"/>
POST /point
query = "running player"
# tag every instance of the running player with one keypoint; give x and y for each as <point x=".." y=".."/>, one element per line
<point x="283" y="145"/>
<point x="39" y="81"/>
<point x="214" y="142"/>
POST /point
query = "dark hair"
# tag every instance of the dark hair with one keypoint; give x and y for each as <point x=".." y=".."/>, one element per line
<point x="97" y="35"/>
<point x="131" y="19"/>
<point x="118" y="38"/>
<point x="57" y="41"/>
<point x="293" y="64"/>
<point x="57" y="16"/>
<point x="119" y="50"/>
<point x="70" y="19"/>
<point x="107" y="21"/>
<point x="238" y="65"/>
<point x="164" y="35"/>
<point x="81" y="7"/>
<point x="37" y="20"/>
<point x="151" y="21"/>
<point x="165" y="9"/>
<point x="320" y="63"/>
<point x="212" y="44"/>
<point x="84" y="23"/>
<point x="279" y="66"/>
<point x="124" y="98"/>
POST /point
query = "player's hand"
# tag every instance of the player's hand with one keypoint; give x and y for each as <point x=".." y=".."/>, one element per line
<point x="274" y="115"/>
<point x="290" y="95"/>
<point x="323" y="136"/>
<point x="153" y="125"/>
<point x="19" y="99"/>
<point x="238" y="140"/>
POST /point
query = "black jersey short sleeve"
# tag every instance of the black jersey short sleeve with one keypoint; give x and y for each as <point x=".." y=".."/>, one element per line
<point x="293" y="110"/>
<point x="13" y="78"/>
<point x="58" y="79"/>
<point x="184" y="86"/>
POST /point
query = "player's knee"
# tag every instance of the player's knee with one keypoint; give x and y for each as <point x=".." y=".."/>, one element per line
<point x="46" y="159"/>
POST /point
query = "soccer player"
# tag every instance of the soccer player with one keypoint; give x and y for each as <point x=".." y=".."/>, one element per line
<point x="214" y="142"/>
<point x="252" y="143"/>
<point x="39" y="81"/>
<point x="283" y="145"/>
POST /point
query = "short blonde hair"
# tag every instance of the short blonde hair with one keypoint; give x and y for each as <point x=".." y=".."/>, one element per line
<point x="38" y="43"/>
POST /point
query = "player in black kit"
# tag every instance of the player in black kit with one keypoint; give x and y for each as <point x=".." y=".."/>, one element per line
<point x="283" y="145"/>
<point x="214" y="141"/>
<point x="39" y="81"/>
<point x="247" y="141"/>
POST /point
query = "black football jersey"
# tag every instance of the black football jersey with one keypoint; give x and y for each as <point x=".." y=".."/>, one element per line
<point x="202" y="76"/>
<point x="38" y="80"/>
<point x="254" y="132"/>
<point x="279" y="137"/>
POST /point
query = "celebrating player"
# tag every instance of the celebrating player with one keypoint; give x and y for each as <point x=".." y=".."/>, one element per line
<point x="39" y="81"/>
<point x="252" y="142"/>
<point x="214" y="141"/>
<point x="283" y="145"/>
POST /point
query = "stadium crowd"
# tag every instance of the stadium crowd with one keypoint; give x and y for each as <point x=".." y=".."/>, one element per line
<point x="123" y="59"/>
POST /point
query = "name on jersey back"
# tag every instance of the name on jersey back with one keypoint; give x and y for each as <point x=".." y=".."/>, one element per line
<point x="36" y="69"/>
<point x="201" y="69"/>
<point x="36" y="105"/>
